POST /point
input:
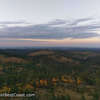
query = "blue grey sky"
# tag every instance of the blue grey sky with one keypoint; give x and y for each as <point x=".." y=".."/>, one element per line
<point x="50" y="23"/>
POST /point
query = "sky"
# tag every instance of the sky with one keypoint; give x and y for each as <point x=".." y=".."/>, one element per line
<point x="68" y="23"/>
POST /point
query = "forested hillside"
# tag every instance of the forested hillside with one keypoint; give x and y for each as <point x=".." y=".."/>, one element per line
<point x="50" y="74"/>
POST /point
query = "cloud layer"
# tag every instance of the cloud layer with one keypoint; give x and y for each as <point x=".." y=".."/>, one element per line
<point x="57" y="29"/>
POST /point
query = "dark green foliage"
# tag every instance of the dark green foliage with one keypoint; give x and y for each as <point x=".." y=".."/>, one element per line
<point x="95" y="96"/>
<point x="83" y="97"/>
<point x="68" y="97"/>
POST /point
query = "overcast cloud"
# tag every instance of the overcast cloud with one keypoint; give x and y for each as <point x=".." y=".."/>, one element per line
<point x="57" y="29"/>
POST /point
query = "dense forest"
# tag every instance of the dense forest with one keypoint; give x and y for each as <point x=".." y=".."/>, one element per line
<point x="50" y="74"/>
